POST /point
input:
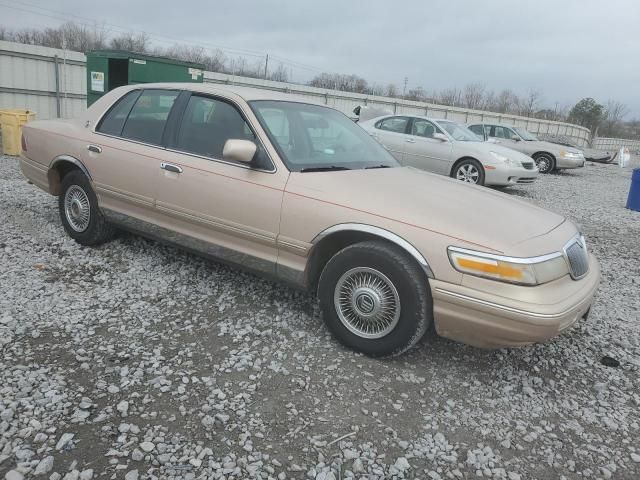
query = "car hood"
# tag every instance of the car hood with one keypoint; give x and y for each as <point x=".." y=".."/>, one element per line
<point x="482" y="151"/>
<point x="473" y="214"/>
<point x="553" y="147"/>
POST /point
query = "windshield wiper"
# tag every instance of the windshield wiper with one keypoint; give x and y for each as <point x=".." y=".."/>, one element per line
<point x="378" y="166"/>
<point x="330" y="168"/>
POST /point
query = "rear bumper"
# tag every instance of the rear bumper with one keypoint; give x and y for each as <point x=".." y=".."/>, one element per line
<point x="35" y="172"/>
<point x="491" y="321"/>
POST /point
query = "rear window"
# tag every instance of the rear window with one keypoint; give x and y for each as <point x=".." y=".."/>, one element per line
<point x="149" y="115"/>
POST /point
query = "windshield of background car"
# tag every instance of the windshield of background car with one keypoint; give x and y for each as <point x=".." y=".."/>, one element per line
<point x="311" y="136"/>
<point x="460" y="132"/>
<point x="526" y="135"/>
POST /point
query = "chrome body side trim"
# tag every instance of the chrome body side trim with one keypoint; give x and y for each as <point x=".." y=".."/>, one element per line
<point x="503" y="258"/>
<point x="380" y="232"/>
<point x="206" y="249"/>
<point x="502" y="307"/>
<point x="217" y="224"/>
<point x="75" y="161"/>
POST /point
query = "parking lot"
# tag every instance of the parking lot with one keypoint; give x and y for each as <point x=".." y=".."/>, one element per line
<point x="138" y="360"/>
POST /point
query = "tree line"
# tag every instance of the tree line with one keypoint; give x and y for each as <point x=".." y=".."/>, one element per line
<point x="606" y="119"/>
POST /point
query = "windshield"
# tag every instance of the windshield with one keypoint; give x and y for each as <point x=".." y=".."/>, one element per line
<point x="529" y="137"/>
<point x="459" y="132"/>
<point x="312" y="137"/>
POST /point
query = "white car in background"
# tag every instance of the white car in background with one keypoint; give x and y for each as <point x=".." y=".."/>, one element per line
<point x="449" y="148"/>
<point x="548" y="156"/>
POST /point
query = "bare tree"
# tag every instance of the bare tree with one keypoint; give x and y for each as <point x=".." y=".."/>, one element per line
<point x="473" y="95"/>
<point x="450" y="96"/>
<point x="530" y="104"/>
<point x="416" y="94"/>
<point x="614" y="113"/>
<point x="132" y="42"/>
<point x="391" y="90"/>
<point x="280" y="74"/>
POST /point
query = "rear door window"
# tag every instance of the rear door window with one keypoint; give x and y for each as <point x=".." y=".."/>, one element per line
<point x="113" y="121"/>
<point x="394" y="124"/>
<point x="149" y="115"/>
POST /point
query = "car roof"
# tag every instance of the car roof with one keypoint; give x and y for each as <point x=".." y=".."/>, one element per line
<point x="246" y="93"/>
<point x="495" y="124"/>
<point x="389" y="115"/>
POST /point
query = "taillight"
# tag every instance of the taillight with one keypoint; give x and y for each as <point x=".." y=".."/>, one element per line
<point x="24" y="143"/>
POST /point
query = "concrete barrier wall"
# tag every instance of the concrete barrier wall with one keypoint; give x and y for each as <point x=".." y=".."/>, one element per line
<point x="347" y="101"/>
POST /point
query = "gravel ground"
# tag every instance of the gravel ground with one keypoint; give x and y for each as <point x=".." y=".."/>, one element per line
<point x="136" y="360"/>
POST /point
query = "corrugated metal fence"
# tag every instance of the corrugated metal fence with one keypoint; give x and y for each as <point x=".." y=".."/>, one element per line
<point x="52" y="83"/>
<point x="49" y="81"/>
<point x="603" y="143"/>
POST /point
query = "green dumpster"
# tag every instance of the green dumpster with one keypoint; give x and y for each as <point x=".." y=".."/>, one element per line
<point x="109" y="69"/>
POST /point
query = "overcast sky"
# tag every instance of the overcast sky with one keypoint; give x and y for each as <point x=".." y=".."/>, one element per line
<point x="568" y="49"/>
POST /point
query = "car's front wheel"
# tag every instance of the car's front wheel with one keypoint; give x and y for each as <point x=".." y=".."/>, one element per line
<point x="79" y="212"/>
<point x="375" y="298"/>
<point x="544" y="162"/>
<point x="469" y="170"/>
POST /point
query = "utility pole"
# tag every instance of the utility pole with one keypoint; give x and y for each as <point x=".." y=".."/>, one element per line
<point x="404" y="90"/>
<point x="266" y="64"/>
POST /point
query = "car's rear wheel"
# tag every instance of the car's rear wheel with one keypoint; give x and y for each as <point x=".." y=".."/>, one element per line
<point x="544" y="162"/>
<point x="79" y="212"/>
<point x="469" y="171"/>
<point x="375" y="298"/>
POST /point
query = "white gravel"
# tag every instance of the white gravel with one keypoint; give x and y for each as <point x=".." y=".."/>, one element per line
<point x="136" y="360"/>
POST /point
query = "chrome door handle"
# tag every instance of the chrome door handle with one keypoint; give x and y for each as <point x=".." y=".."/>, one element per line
<point x="94" y="148"/>
<point x="170" y="167"/>
<point x="410" y="140"/>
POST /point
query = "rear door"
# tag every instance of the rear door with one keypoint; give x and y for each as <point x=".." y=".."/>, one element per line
<point x="504" y="136"/>
<point x="228" y="209"/>
<point x="392" y="133"/>
<point x="425" y="152"/>
<point x="123" y="151"/>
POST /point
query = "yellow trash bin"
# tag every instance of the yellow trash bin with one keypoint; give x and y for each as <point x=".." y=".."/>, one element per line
<point x="11" y="122"/>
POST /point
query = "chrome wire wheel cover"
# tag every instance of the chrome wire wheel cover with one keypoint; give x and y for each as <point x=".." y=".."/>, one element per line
<point x="77" y="208"/>
<point x="543" y="164"/>
<point x="468" y="173"/>
<point x="367" y="302"/>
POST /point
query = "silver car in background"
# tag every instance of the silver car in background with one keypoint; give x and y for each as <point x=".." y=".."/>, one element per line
<point x="449" y="148"/>
<point x="548" y="156"/>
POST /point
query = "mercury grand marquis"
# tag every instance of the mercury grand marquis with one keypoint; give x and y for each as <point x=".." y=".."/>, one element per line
<point x="299" y="192"/>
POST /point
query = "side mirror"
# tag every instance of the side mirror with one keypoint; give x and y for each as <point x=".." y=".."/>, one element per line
<point x="237" y="150"/>
<point x="440" y="136"/>
<point x="515" y="139"/>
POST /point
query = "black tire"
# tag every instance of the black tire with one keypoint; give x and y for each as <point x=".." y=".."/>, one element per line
<point x="410" y="283"/>
<point x="98" y="230"/>
<point x="545" y="162"/>
<point x="468" y="163"/>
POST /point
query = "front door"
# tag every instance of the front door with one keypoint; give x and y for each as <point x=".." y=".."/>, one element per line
<point x="425" y="152"/>
<point x="228" y="209"/>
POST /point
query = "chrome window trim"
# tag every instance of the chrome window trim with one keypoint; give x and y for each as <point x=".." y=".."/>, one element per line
<point x="226" y="162"/>
<point x="107" y="110"/>
<point x="380" y="232"/>
<point x="504" y="258"/>
<point x="182" y="152"/>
